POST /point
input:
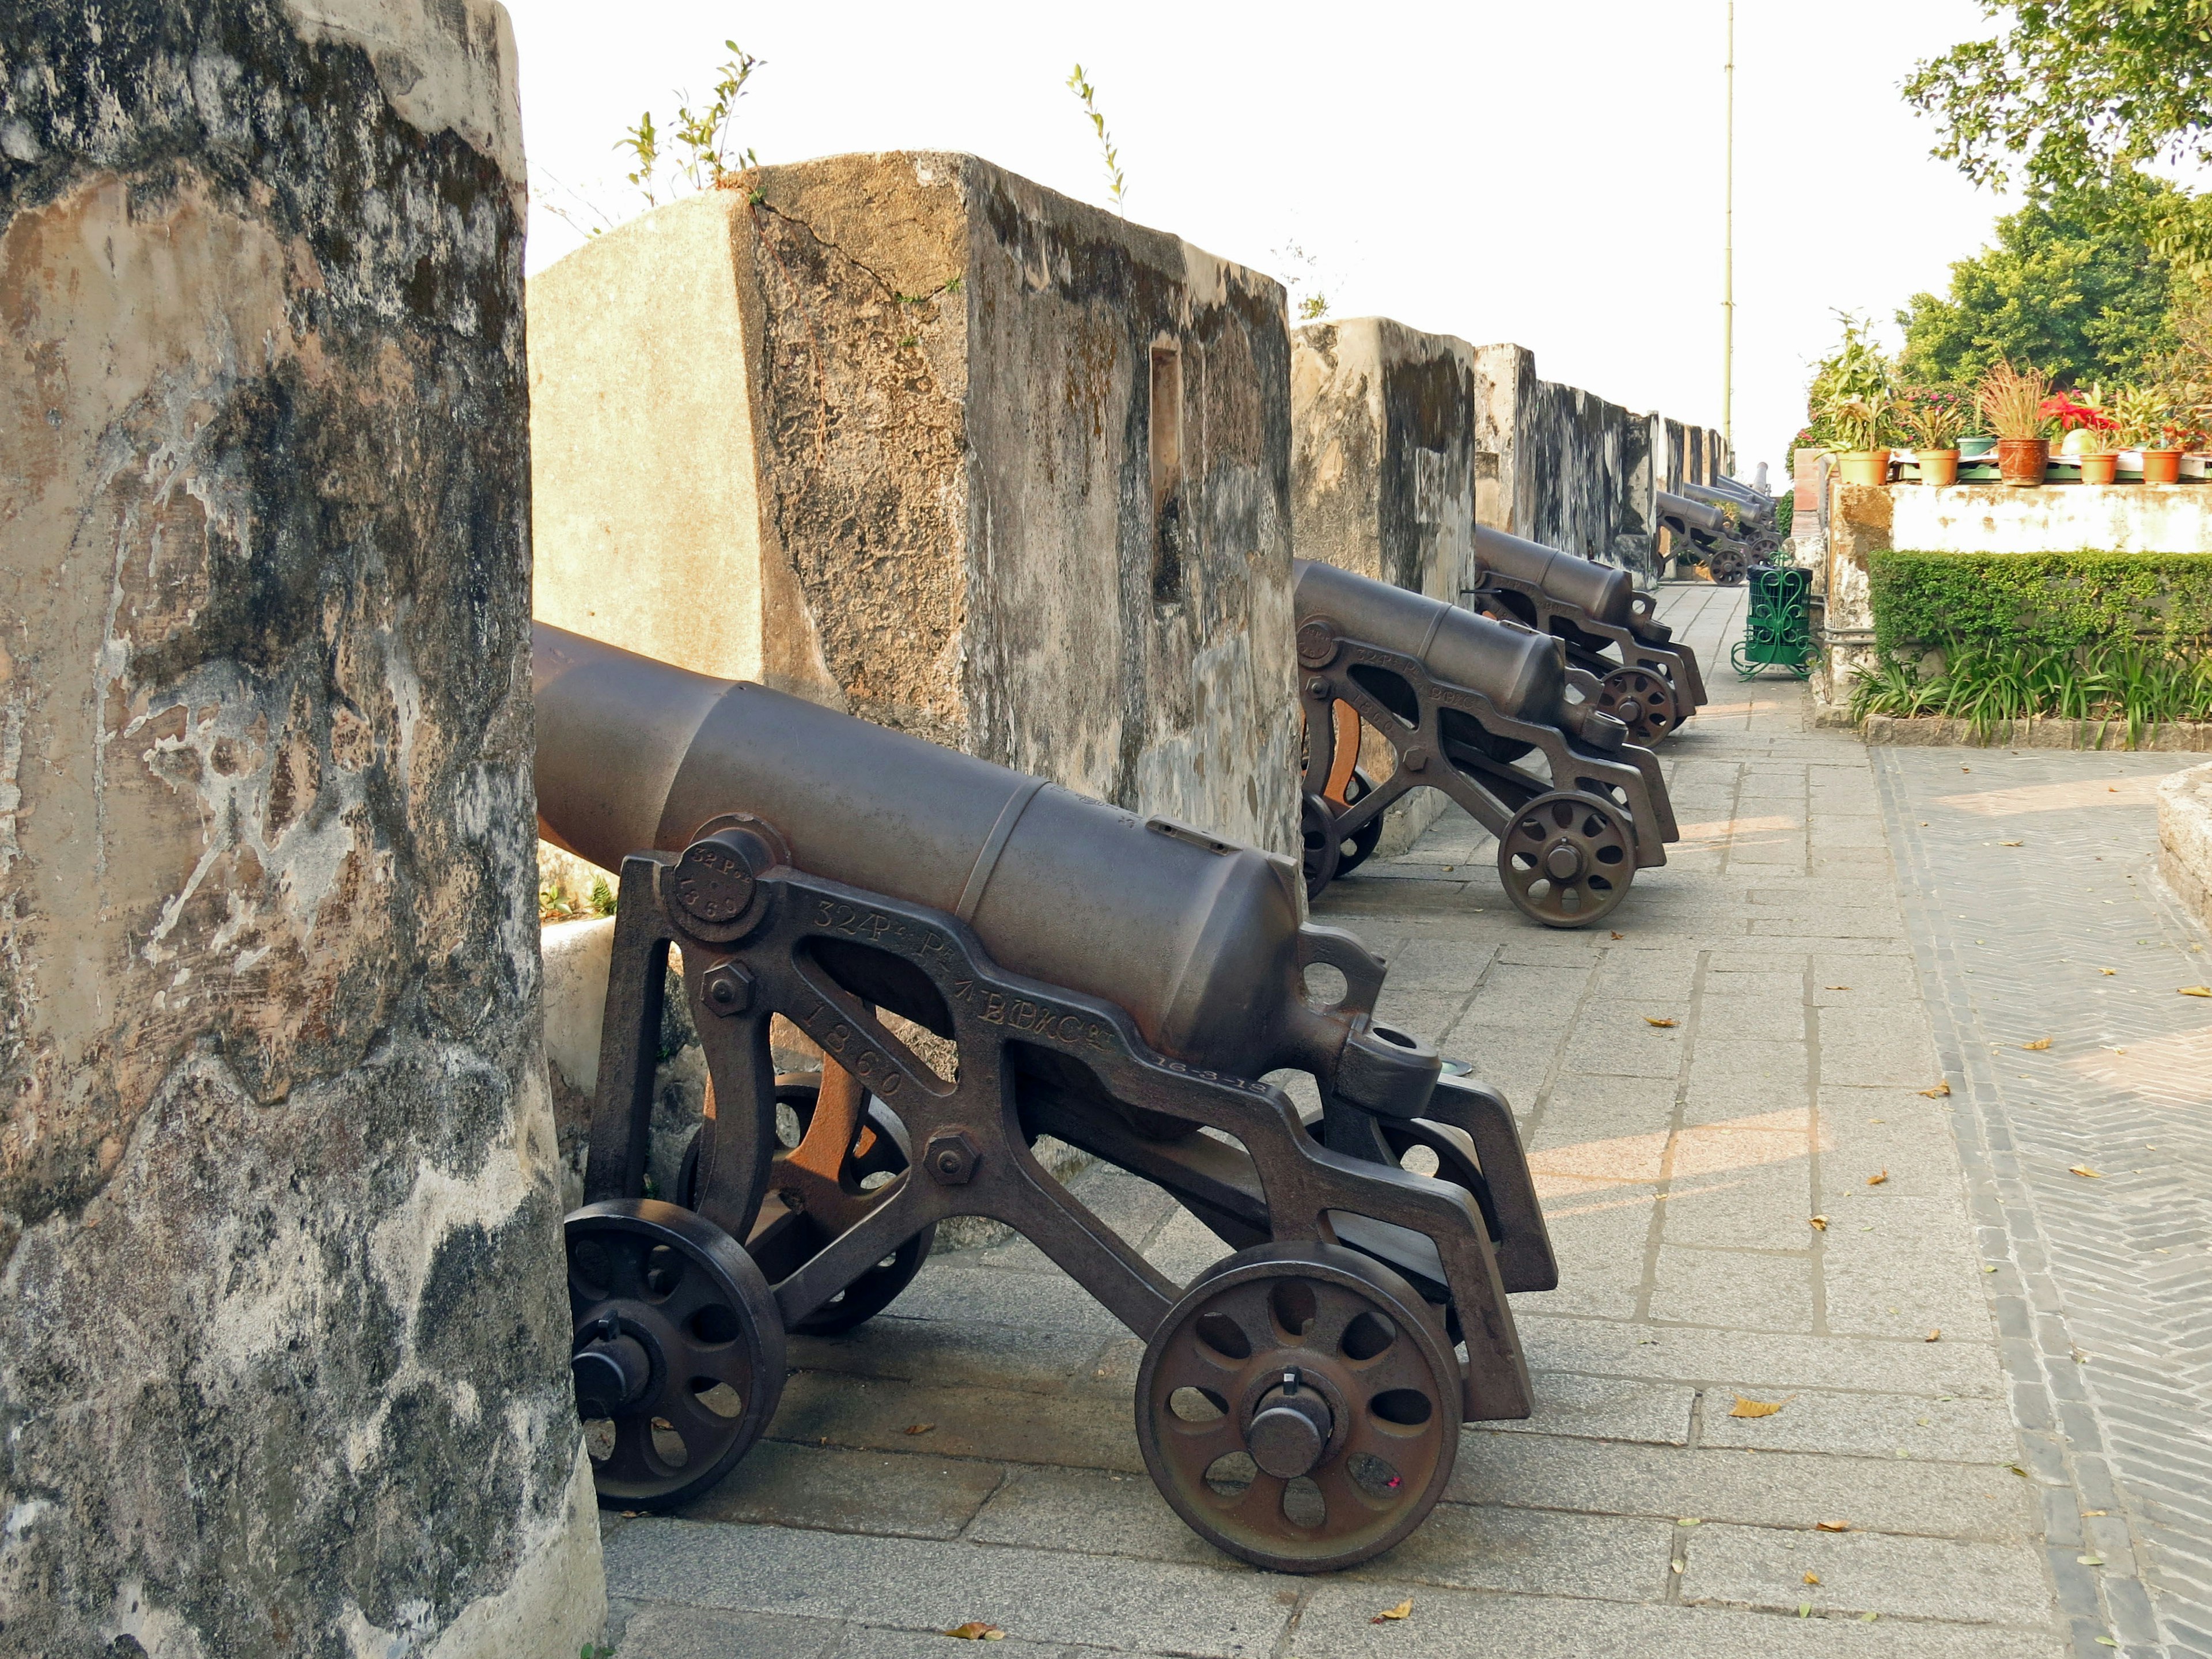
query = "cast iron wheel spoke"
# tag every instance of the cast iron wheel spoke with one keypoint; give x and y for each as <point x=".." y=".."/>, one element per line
<point x="1192" y="1365"/>
<point x="1339" y="1284"/>
<point x="1342" y="1495"/>
<point x="633" y="1460"/>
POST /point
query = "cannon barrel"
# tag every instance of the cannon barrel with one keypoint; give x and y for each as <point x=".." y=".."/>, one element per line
<point x="1197" y="940"/>
<point x="1692" y="515"/>
<point x="1602" y="591"/>
<point x="1522" y="672"/>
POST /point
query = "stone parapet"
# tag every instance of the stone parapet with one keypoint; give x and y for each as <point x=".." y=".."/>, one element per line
<point x="1988" y="518"/>
<point x="920" y="439"/>
<point x="1383" y="481"/>
<point x="2185" y="838"/>
<point x="284" y="1354"/>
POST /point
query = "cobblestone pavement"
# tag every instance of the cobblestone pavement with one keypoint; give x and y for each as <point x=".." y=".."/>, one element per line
<point x="970" y="1455"/>
<point x="2037" y="916"/>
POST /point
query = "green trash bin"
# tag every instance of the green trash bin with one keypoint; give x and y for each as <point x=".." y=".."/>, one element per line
<point x="1778" y="632"/>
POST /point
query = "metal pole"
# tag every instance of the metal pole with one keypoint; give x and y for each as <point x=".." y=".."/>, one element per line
<point x="1728" y="253"/>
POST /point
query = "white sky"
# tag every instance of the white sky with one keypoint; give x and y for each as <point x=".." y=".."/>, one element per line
<point x="1541" y="173"/>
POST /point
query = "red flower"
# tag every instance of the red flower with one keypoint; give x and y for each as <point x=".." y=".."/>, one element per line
<point x="2070" y="414"/>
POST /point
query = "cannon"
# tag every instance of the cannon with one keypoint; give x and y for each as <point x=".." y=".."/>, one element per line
<point x="1463" y="700"/>
<point x="1757" y="512"/>
<point x="1716" y="535"/>
<point x="1651" y="684"/>
<point x="983" y="958"/>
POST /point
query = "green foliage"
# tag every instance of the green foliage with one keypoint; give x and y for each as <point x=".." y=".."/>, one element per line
<point x="2134" y="683"/>
<point x="2045" y="602"/>
<point x="1117" y="187"/>
<point x="705" y="157"/>
<point x="2073" y="285"/>
<point x="2074" y="89"/>
<point x="1851" y="392"/>
<point x="1933" y="417"/>
<point x="1785" y="512"/>
<point x="603" y="897"/>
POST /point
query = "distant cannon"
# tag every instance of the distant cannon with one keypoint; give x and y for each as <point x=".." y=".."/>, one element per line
<point x="1464" y="700"/>
<point x="1119" y="983"/>
<point x="1645" y="680"/>
<point x="1715" y="535"/>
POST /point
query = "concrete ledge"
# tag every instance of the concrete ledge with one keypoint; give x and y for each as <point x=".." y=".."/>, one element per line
<point x="2185" y="838"/>
<point x="2178" y="737"/>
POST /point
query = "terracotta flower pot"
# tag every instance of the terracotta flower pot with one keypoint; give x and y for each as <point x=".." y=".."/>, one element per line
<point x="2161" y="466"/>
<point x="1939" y="467"/>
<point x="2100" y="468"/>
<point x="1865" y="466"/>
<point x="2021" y="460"/>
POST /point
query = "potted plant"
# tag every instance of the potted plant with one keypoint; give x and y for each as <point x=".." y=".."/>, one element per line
<point x="1934" y="418"/>
<point x="1861" y="421"/>
<point x="2090" y="439"/>
<point x="2143" y="416"/>
<point x="2011" y="401"/>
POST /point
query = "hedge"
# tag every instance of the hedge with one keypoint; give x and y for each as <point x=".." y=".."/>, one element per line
<point x="2055" y="602"/>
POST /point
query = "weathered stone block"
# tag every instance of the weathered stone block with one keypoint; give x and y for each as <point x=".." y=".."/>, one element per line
<point x="2185" y="838"/>
<point x="1382" y="481"/>
<point x="917" y="439"/>
<point x="283" y="1336"/>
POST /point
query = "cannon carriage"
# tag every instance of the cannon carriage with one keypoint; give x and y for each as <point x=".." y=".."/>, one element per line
<point x="1646" y="680"/>
<point x="1718" y="535"/>
<point x="1128" y="985"/>
<point x="1465" y="702"/>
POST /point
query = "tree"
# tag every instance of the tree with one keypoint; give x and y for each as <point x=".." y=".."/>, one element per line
<point x="2073" y="286"/>
<point x="2076" y="91"/>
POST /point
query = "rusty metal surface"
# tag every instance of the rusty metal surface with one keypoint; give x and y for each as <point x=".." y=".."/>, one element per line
<point x="1207" y="959"/>
<point x="1604" y="624"/>
<point x="1605" y="811"/>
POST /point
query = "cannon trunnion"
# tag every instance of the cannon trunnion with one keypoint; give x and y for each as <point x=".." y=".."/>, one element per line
<point x="1464" y="700"/>
<point x="1646" y="680"/>
<point x="1054" y="966"/>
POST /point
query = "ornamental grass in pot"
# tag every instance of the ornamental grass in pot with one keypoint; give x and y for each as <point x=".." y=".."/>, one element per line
<point x="1934" y="419"/>
<point x="1862" y="421"/>
<point x="2011" y="401"/>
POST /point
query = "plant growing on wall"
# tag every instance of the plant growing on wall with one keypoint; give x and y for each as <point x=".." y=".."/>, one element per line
<point x="1117" y="187"/>
<point x="704" y="157"/>
<point x="2011" y="398"/>
<point x="1857" y="371"/>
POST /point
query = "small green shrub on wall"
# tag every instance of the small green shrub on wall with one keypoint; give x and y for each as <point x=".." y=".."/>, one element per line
<point x="2057" y="602"/>
<point x="2116" y="638"/>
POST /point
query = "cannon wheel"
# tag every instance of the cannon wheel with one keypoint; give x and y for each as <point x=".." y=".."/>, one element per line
<point x="1319" y="1475"/>
<point x="678" y="1351"/>
<point x="1726" y="566"/>
<point x="1567" y="859"/>
<point x="1642" y="700"/>
<point x="879" y="1153"/>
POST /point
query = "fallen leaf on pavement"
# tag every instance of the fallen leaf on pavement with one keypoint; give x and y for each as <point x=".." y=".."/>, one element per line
<point x="1935" y="1335"/>
<point x="976" y="1631"/>
<point x="2039" y="1044"/>
<point x="2196" y="990"/>
<point x="1938" y="1092"/>
<point x="1403" y="1610"/>
<point x="1838" y="988"/>
<point x="1832" y="1526"/>
<point x="2085" y="1172"/>
<point x="2017" y="1470"/>
<point x="1648" y="1020"/>
<point x="1819" y="1224"/>
<point x="1619" y="935"/>
<point x="919" y="1428"/>
<point x="1745" y="1407"/>
<point x="1877" y="1179"/>
<point x="1812" y="1577"/>
<point x="2108" y="972"/>
<point x="2011" y="844"/>
<point x="1804" y="1610"/>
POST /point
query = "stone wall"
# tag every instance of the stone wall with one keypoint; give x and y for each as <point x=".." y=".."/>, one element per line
<point x="283" y="1341"/>
<point x="1382" y="481"/>
<point x="917" y="439"/>
<point x="1991" y="518"/>
<point x="2185" y="838"/>
<point x="1562" y="466"/>
<point x="1857" y="524"/>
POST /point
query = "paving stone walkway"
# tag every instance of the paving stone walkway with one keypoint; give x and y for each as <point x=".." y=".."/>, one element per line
<point x="970" y="1455"/>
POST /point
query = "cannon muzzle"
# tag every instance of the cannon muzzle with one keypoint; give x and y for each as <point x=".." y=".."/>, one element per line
<point x="1198" y="940"/>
